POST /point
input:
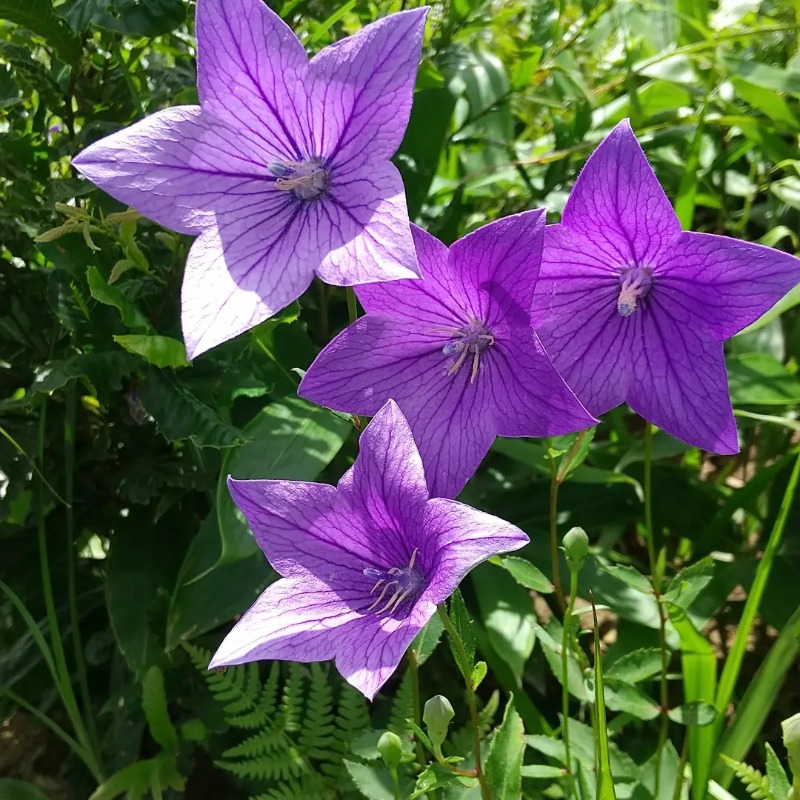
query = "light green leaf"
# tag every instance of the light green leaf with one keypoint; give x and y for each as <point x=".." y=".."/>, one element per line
<point x="428" y="639"/>
<point x="543" y="771"/>
<point x="526" y="574"/>
<point x="154" y="705"/>
<point x="113" y="296"/>
<point x="695" y="713"/>
<point x="373" y="781"/>
<point x="462" y="622"/>
<point x="626" y="697"/>
<point x="630" y="577"/>
<point x="637" y="665"/>
<point x="38" y="16"/>
<point x="504" y="764"/>
<point x="758" y="379"/>
<point x="778" y="781"/>
<point x="162" y="351"/>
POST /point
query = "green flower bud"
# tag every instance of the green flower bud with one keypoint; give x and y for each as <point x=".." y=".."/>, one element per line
<point x="576" y="548"/>
<point x="791" y="741"/>
<point x="390" y="748"/>
<point x="437" y="715"/>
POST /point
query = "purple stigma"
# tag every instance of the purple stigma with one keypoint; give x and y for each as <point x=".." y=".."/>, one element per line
<point x="635" y="285"/>
<point x="307" y="179"/>
<point x="395" y="586"/>
<point x="470" y="339"/>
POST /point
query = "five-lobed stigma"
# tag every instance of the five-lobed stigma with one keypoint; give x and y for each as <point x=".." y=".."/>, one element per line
<point x="307" y="179"/>
<point x="470" y="339"/>
<point x="398" y="584"/>
<point x="635" y="284"/>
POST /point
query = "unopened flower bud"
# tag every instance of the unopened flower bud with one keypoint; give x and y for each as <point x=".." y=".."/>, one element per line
<point x="390" y="748"/>
<point x="576" y="548"/>
<point x="437" y="715"/>
<point x="791" y="741"/>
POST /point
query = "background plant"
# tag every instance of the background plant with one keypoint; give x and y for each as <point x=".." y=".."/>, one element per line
<point x="122" y="550"/>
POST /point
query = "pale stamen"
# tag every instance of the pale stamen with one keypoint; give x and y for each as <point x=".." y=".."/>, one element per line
<point x="403" y="583"/>
<point x="635" y="284"/>
<point x="307" y="179"/>
<point x="471" y="339"/>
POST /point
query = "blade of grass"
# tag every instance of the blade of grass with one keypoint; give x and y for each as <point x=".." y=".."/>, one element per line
<point x="605" y="781"/>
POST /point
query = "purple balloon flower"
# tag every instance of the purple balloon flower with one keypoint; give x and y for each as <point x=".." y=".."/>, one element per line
<point x="363" y="565"/>
<point x="282" y="170"/>
<point x="633" y="309"/>
<point x="456" y="351"/>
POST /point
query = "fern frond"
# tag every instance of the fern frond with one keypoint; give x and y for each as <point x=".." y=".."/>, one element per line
<point x="756" y="784"/>
<point x="352" y="717"/>
<point x="317" y="738"/>
<point x="402" y="707"/>
<point x="291" y="707"/>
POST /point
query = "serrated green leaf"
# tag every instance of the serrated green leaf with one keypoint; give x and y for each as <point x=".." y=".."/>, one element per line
<point x="504" y="764"/>
<point x="626" y="697"/>
<point x="154" y="705"/>
<point x="778" y="781"/>
<point x="638" y="665"/>
<point x="526" y="574"/>
<point x="462" y="622"/>
<point x="630" y="577"/>
<point x="38" y="16"/>
<point x="695" y="713"/>
<point x="162" y="351"/>
<point x="428" y="639"/>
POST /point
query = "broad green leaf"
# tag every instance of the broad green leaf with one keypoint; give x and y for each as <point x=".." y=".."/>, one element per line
<point x="576" y="684"/>
<point x="758" y="379"/>
<point x="507" y="614"/>
<point x="129" y="17"/>
<point x="38" y="16"/>
<point x="180" y="415"/>
<point x="763" y="75"/>
<point x="103" y="372"/>
<point x="154" y="705"/>
<point x="630" y="577"/>
<point x="162" y="351"/>
<point x="13" y="789"/>
<point x="504" y="764"/>
<point x="626" y="697"/>
<point x="778" y="782"/>
<point x="290" y="440"/>
<point x="668" y="771"/>
<point x="637" y="665"/>
<point x="428" y="639"/>
<point x="111" y="295"/>
<point x="526" y="574"/>
<point x="684" y="588"/>
<point x="696" y="713"/>
<point x="435" y="776"/>
<point x="372" y="780"/>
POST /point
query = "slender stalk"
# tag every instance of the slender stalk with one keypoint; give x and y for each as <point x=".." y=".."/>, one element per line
<point x="352" y="304"/>
<point x="486" y="790"/>
<point x="573" y="591"/>
<point x="555" y="564"/>
<point x="655" y="571"/>
<point x="126" y="74"/>
<point x="413" y="666"/>
<point x="72" y="593"/>
<point x="324" y="323"/>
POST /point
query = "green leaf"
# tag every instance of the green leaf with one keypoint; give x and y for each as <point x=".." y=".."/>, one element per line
<point x="38" y="16"/>
<point x="435" y="776"/>
<point x="637" y="665"/>
<point x="504" y="764"/>
<point x="13" y="789"/>
<point x="428" y="639"/>
<point x="605" y="780"/>
<point x="110" y="295"/>
<point x="695" y="713"/>
<point x="758" y="379"/>
<point x="288" y="440"/>
<point x="542" y="771"/>
<point x="507" y="614"/>
<point x="154" y="705"/>
<point x="525" y="573"/>
<point x="789" y="300"/>
<point x="626" y="697"/>
<point x="630" y="577"/>
<point x="478" y="674"/>
<point x="130" y="17"/>
<point x="162" y="351"/>
<point x="462" y="622"/>
<point x="552" y="653"/>
<point x="778" y="781"/>
<point x="373" y="781"/>
<point x="763" y="75"/>
<point x="686" y="586"/>
<point x="180" y="415"/>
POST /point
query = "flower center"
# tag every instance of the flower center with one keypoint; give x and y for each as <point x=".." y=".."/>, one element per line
<point x="469" y="340"/>
<point x="395" y="586"/>
<point x="307" y="179"/>
<point x="634" y="285"/>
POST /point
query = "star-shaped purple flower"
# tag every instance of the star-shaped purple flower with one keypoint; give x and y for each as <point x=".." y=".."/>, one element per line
<point x="363" y="565"/>
<point x="455" y="350"/>
<point x="633" y="309"/>
<point x="282" y="170"/>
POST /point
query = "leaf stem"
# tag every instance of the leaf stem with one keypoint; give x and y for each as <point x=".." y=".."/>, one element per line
<point x="573" y="591"/>
<point x="655" y="571"/>
<point x="554" y="560"/>
<point x="458" y="645"/>
<point x="413" y="666"/>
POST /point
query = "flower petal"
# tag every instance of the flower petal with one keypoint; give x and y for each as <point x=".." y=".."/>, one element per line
<point x="575" y="314"/>
<point x="618" y="202"/>
<point x="176" y="167"/>
<point x="251" y="74"/>
<point x="679" y="379"/>
<point x="371" y="649"/>
<point x="727" y="284"/>
<point x="363" y="88"/>
<point x="245" y="270"/>
<point x="439" y="299"/>
<point x="376" y="359"/>
<point x="465" y="537"/>
<point x="292" y="620"/>
<point x="530" y="397"/>
<point x="363" y="222"/>
<point x="499" y="264"/>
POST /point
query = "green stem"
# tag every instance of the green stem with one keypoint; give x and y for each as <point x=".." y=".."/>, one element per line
<point x="395" y="783"/>
<point x="126" y="74"/>
<point x="473" y="710"/>
<point x="413" y="666"/>
<point x="573" y="591"/>
<point x="655" y="571"/>
<point x="352" y="304"/>
<point x="555" y="564"/>
<point x="72" y="593"/>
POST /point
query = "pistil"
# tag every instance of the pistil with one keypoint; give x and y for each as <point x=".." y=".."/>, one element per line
<point x="635" y="284"/>
<point x="398" y="583"/>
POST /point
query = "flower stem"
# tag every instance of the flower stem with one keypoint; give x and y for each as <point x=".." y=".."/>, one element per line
<point x="458" y="645"/>
<point x="655" y="571"/>
<point x="413" y="666"/>
<point x="573" y="591"/>
<point x="352" y="304"/>
<point x="554" y="561"/>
